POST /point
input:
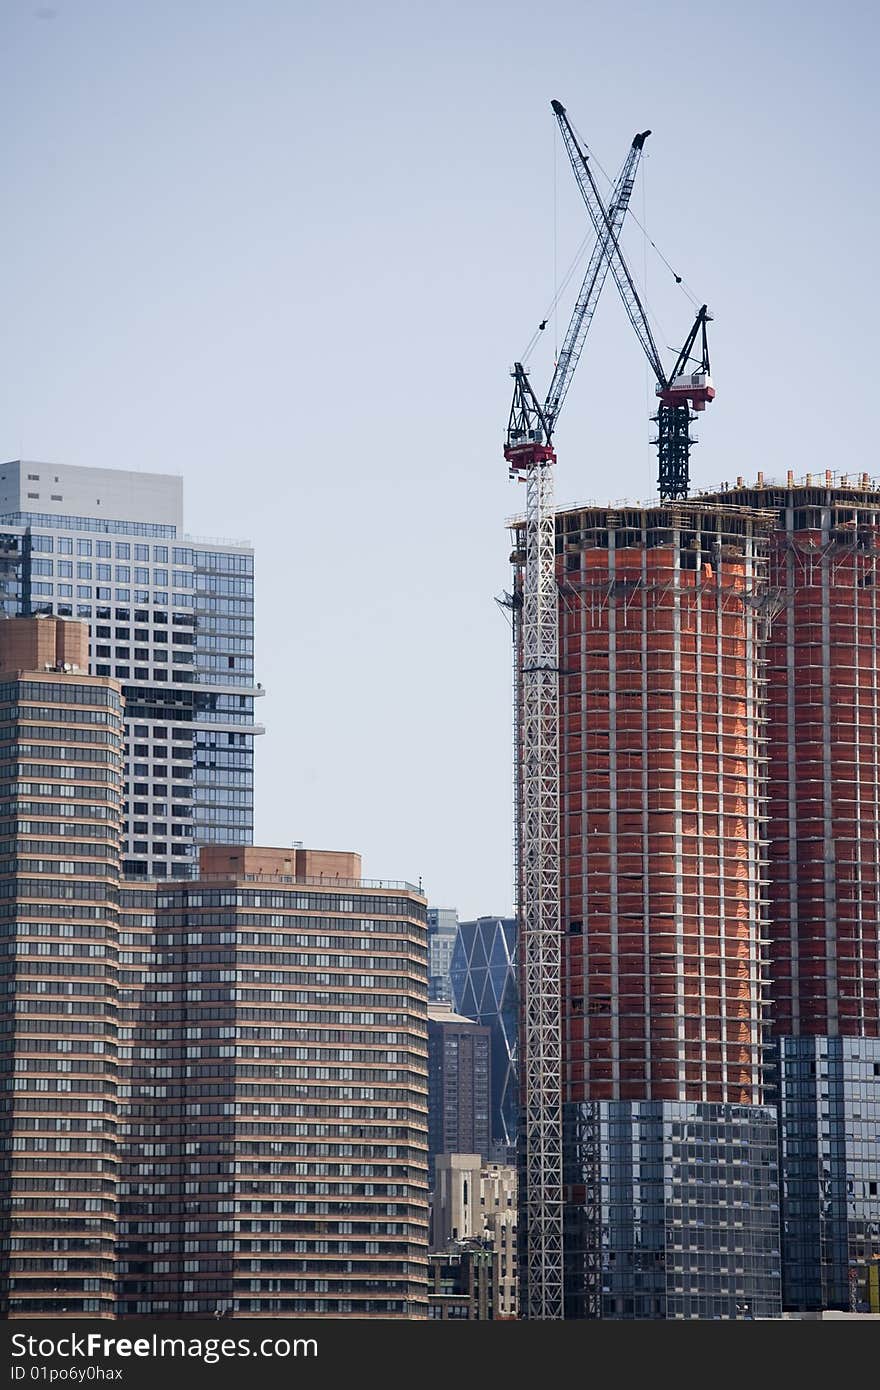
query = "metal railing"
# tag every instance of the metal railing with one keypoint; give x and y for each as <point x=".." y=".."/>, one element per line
<point x="218" y="540"/>
<point x="310" y="881"/>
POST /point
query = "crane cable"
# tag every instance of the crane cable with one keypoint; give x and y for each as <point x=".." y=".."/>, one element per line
<point x="679" y="279"/>
<point x="578" y="257"/>
<point x="555" y="241"/>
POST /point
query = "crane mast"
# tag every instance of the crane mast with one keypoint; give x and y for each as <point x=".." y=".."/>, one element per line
<point x="530" y="455"/>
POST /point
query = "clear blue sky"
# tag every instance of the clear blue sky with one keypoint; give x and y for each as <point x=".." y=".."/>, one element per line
<point x="290" y="251"/>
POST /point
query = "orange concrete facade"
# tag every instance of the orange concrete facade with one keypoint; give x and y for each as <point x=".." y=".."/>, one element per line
<point x="43" y="643"/>
<point x="662" y="801"/>
<point x="824" y="746"/>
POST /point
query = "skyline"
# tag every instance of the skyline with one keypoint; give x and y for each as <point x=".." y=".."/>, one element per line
<point x="293" y="261"/>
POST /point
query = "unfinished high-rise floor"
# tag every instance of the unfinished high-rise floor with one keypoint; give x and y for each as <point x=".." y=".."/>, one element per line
<point x="824" y="872"/>
<point x="662" y="749"/>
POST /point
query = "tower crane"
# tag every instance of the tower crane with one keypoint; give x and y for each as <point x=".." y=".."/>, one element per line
<point x="530" y="455"/>
<point x="531" y="426"/>
<point x="683" y="390"/>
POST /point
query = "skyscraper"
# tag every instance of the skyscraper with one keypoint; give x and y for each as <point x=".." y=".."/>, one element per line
<point x="273" y="1143"/>
<point x="484" y="988"/>
<point x="670" y="1180"/>
<point x="442" y="932"/>
<point x="824" y="876"/>
<point x="171" y="618"/>
<point x="215" y="1092"/>
<point x="61" y="814"/>
<point x="459" y="1084"/>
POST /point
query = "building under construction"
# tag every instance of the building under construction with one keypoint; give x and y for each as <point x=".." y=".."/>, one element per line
<point x="698" y="804"/>
<point x="823" y="837"/>
<point x="669" y="1151"/>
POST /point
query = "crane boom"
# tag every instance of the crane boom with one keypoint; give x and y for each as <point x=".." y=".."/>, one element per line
<point x="594" y="279"/>
<point x="602" y="222"/>
<point x="530" y="426"/>
<point x="677" y="393"/>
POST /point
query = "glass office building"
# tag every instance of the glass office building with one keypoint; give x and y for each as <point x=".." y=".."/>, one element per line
<point x="829" y="1115"/>
<point x="171" y="618"/>
<point x="483" y="975"/>
<point x="442" y="931"/>
<point x="672" y="1210"/>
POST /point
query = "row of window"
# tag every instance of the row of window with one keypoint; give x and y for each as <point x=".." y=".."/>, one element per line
<point x="106" y="574"/>
<point x="323" y="902"/>
<point x="235" y="562"/>
<point x="63" y="693"/>
<point x="84" y="523"/>
<point x="60" y="714"/>
<point x="43" y="589"/>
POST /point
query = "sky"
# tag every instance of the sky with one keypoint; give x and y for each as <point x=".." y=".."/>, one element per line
<point x="290" y="251"/>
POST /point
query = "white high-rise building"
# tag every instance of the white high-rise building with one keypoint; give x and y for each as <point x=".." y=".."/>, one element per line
<point x="171" y="617"/>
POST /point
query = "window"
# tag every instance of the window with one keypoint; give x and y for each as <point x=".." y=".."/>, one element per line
<point x="142" y="552"/>
<point x="123" y="550"/>
<point x="123" y="574"/>
<point x="103" y="550"/>
<point x="65" y="545"/>
<point x="83" y="571"/>
<point x="83" y="547"/>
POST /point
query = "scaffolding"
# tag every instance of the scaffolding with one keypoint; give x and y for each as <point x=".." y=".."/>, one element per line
<point x="663" y="615"/>
<point x="824" y="732"/>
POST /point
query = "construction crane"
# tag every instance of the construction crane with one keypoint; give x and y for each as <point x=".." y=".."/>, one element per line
<point x="530" y="427"/>
<point x="689" y="386"/>
<point x="530" y="455"/>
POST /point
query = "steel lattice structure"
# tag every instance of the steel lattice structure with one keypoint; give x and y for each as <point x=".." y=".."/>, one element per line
<point x="541" y="1043"/>
<point x="530" y="455"/>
